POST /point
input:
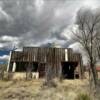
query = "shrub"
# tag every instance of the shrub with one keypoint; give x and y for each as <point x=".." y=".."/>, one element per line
<point x="83" y="96"/>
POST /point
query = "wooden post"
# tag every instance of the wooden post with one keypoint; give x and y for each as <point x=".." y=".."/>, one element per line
<point x="9" y="61"/>
<point x="14" y="66"/>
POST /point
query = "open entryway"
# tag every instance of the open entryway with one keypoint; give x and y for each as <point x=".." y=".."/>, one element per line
<point x="34" y="67"/>
<point x="21" y="66"/>
<point x="68" y="69"/>
<point x="26" y="66"/>
<point x="41" y="70"/>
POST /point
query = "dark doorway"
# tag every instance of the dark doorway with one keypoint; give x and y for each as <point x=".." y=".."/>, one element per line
<point x="21" y="66"/>
<point x="68" y="69"/>
<point x="26" y="66"/>
<point x="35" y="67"/>
<point x="41" y="70"/>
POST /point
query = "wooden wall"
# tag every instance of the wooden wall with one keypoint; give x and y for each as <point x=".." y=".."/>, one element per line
<point x="44" y="55"/>
<point x="51" y="56"/>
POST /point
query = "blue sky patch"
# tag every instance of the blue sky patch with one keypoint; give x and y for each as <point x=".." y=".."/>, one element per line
<point x="4" y="52"/>
<point x="3" y="62"/>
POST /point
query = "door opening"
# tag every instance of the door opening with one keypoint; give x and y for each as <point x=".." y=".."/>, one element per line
<point x="68" y="69"/>
<point x="35" y="67"/>
<point x="41" y="70"/>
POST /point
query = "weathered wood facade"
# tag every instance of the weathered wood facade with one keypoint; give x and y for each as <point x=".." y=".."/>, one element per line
<point x="57" y="58"/>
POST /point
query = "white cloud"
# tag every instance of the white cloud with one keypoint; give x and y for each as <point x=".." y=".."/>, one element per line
<point x="9" y="41"/>
<point x="91" y="3"/>
<point x="59" y="12"/>
<point x="67" y="32"/>
<point x="1" y="45"/>
<point x="39" y="4"/>
<point x="79" y="49"/>
<point x="4" y="15"/>
<point x="32" y="22"/>
<point x="76" y="46"/>
<point x="4" y="57"/>
<point x="8" y="38"/>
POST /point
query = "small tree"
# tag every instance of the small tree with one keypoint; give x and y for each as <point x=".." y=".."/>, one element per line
<point x="87" y="34"/>
<point x="29" y="71"/>
<point x="3" y="68"/>
<point x="49" y="75"/>
<point x="49" y="72"/>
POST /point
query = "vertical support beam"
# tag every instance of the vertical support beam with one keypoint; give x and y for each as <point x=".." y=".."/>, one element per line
<point x="80" y="66"/>
<point x="34" y="57"/>
<point x="14" y="67"/>
<point x="60" y="71"/>
<point x="9" y="61"/>
<point x="66" y="54"/>
<point x="80" y="70"/>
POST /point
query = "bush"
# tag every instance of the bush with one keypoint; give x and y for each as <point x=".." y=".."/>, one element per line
<point x="83" y="96"/>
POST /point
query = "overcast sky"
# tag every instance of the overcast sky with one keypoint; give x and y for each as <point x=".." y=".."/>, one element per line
<point x="39" y="22"/>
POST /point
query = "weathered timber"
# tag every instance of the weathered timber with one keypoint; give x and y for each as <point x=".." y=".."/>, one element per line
<point x="44" y="57"/>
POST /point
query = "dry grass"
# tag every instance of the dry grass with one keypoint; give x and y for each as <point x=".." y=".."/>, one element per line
<point x="32" y="90"/>
<point x="83" y="96"/>
<point x="21" y="90"/>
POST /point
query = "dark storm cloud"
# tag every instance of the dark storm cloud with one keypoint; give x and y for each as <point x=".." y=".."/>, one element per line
<point x="39" y="22"/>
<point x="34" y="22"/>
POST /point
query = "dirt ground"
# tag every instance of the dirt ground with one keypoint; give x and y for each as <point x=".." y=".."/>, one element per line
<point x="33" y="90"/>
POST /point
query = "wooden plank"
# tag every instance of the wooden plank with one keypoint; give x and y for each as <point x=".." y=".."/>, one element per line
<point x="52" y="56"/>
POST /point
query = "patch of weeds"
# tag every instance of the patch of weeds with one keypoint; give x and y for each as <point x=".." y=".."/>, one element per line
<point x="83" y="96"/>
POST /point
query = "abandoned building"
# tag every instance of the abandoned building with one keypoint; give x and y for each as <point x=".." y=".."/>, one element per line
<point x="38" y="59"/>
